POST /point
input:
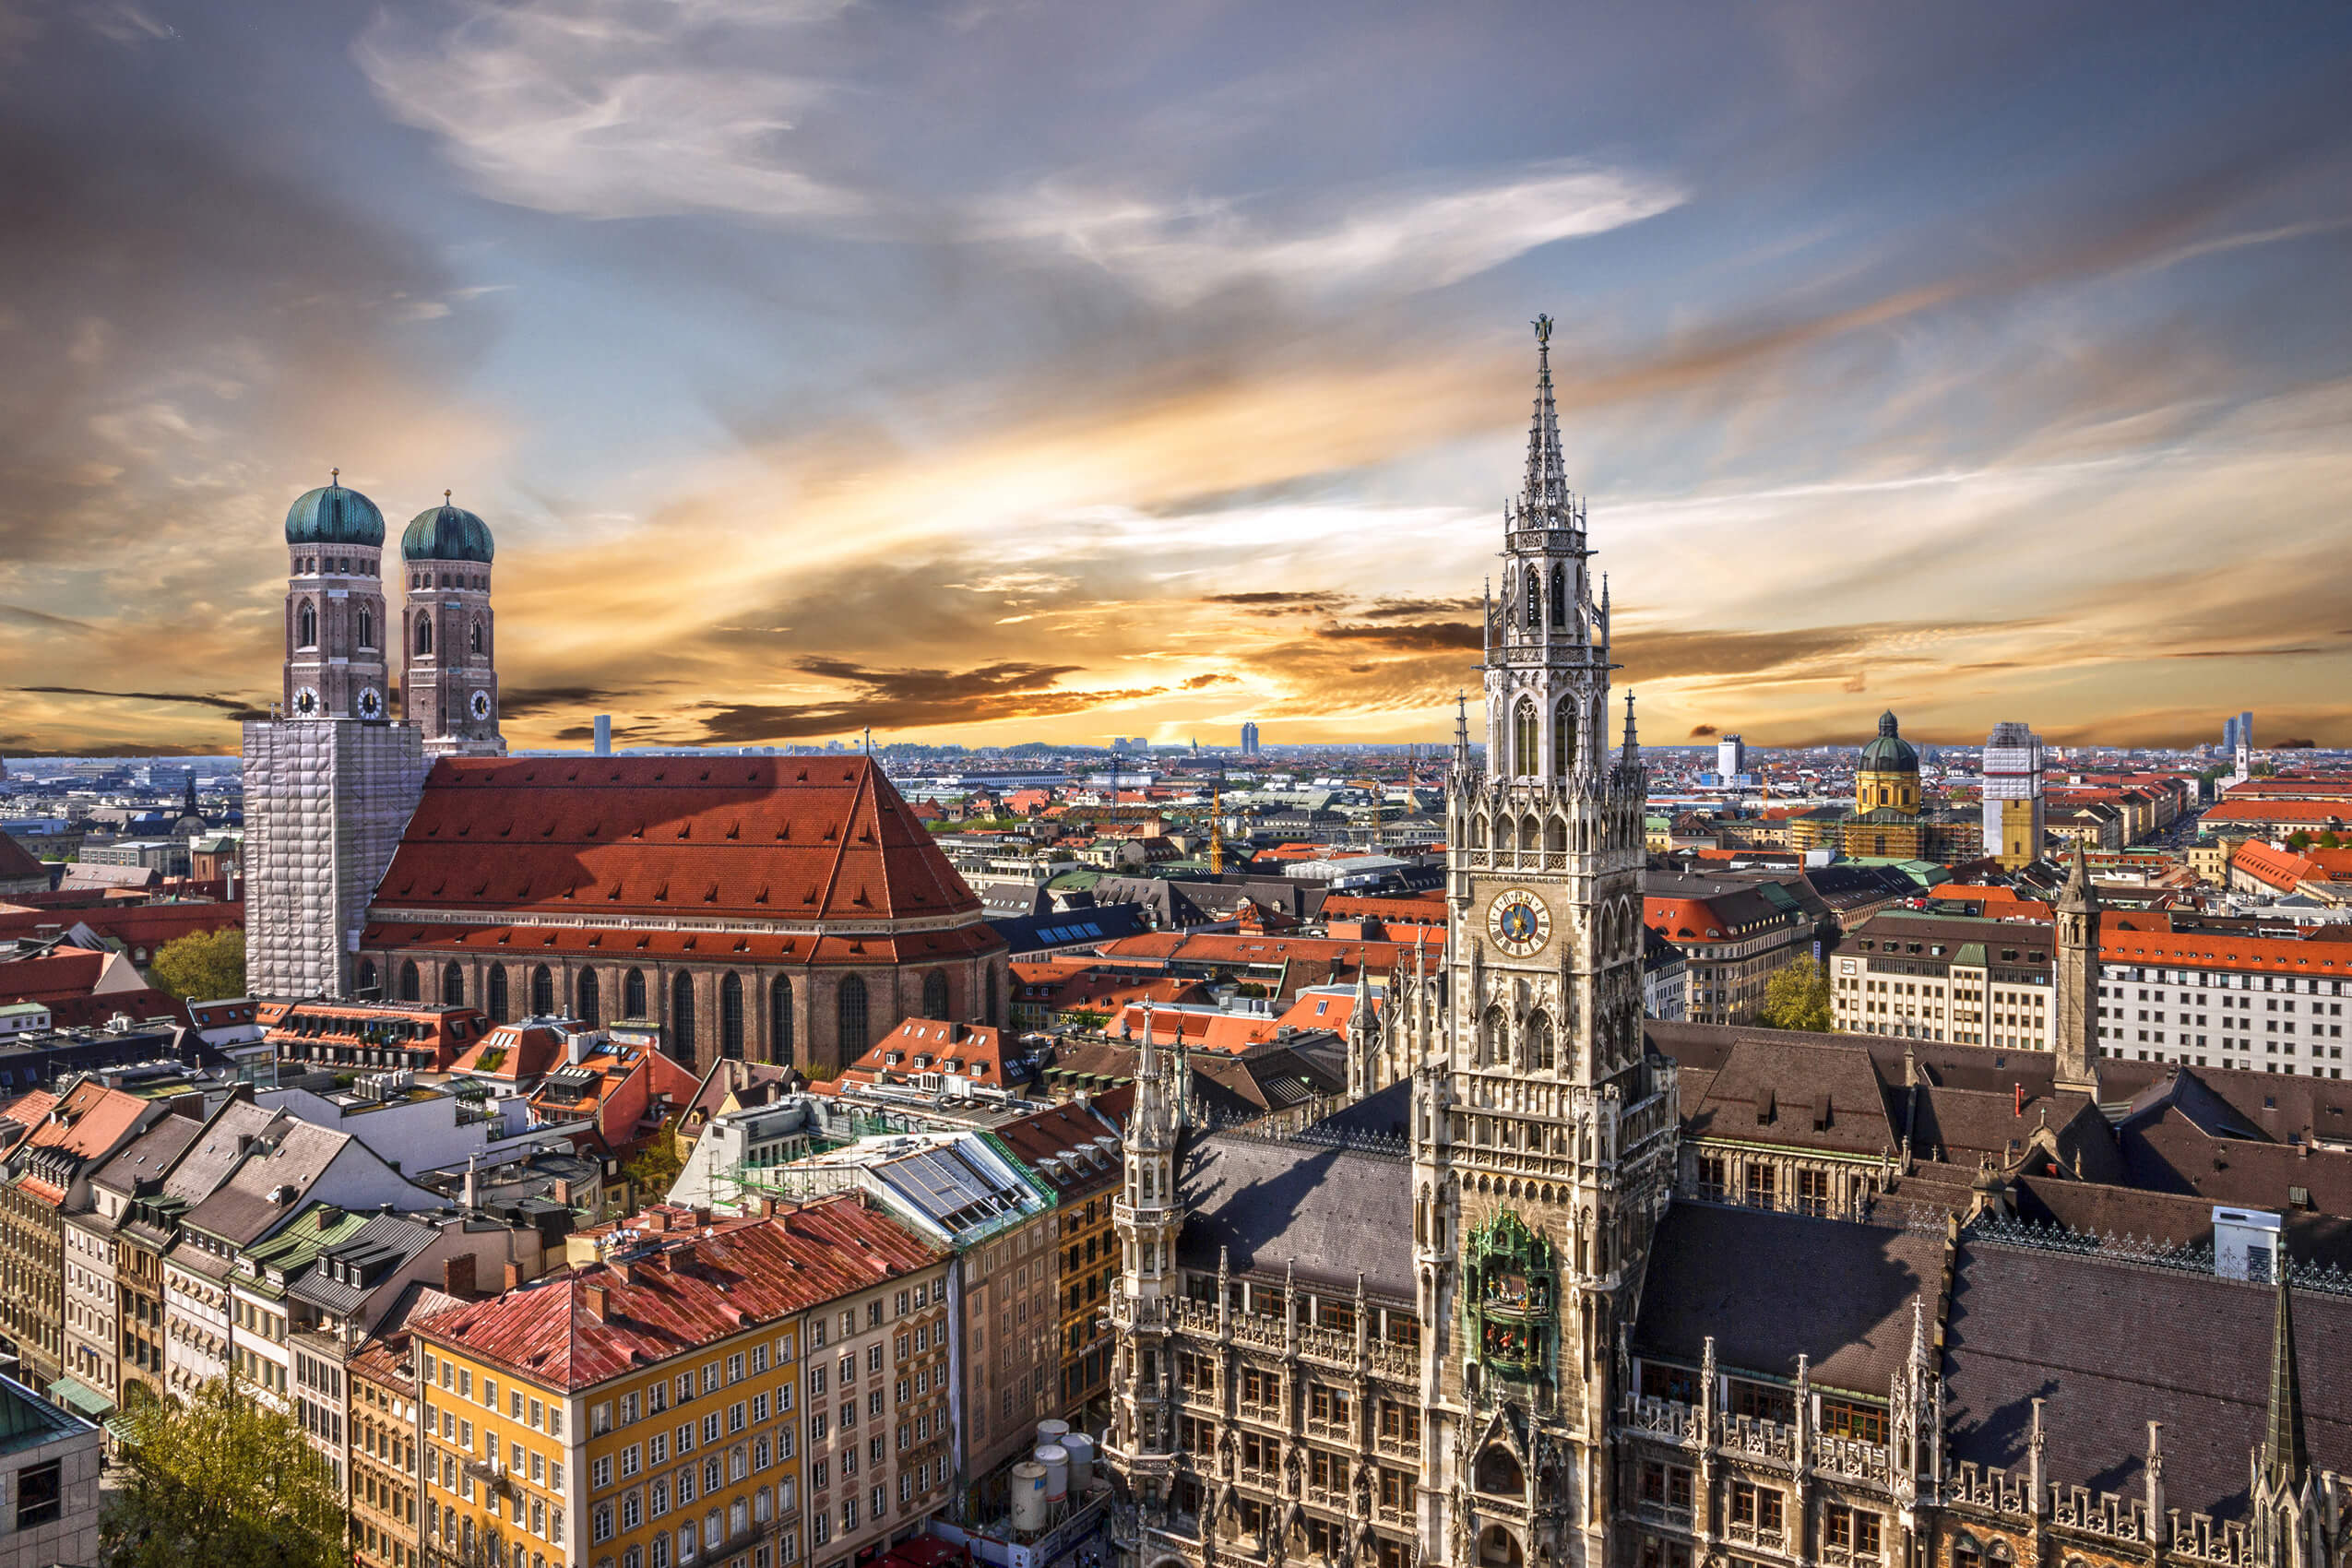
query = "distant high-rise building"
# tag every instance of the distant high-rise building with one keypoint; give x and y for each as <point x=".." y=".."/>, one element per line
<point x="2237" y="732"/>
<point x="605" y="734"/>
<point x="1249" y="740"/>
<point x="1731" y="757"/>
<point x="2013" y="795"/>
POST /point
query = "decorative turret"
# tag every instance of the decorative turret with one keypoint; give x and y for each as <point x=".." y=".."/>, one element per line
<point x="2078" y="987"/>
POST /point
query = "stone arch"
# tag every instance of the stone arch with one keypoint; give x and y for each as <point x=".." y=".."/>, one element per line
<point x="1478" y="830"/>
<point x="479" y="639"/>
<point x="1530" y="834"/>
<point x="1494" y="1039"/>
<point x="425" y="635"/>
<point x="1563" y="735"/>
<point x="1523" y="758"/>
<point x="306" y="625"/>
<point x="1555" y="835"/>
<point x="731" y="1015"/>
<point x="1498" y="1548"/>
<point x="412" y="982"/>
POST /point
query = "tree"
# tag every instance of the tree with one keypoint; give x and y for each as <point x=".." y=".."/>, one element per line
<point x="203" y="965"/>
<point x="655" y="1170"/>
<point x="221" y="1480"/>
<point x="2299" y="841"/>
<point x="1797" y="997"/>
<point x="2330" y="839"/>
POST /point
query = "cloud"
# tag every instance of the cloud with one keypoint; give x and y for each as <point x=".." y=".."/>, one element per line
<point x="899" y="700"/>
<point x="1699" y="730"/>
<point x="1398" y="242"/>
<point x="615" y="108"/>
<point x="1420" y="637"/>
<point x="235" y="709"/>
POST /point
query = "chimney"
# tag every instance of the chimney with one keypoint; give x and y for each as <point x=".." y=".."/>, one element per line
<point x="514" y="1276"/>
<point x="471" y="1194"/>
<point x="576" y="1046"/>
<point x="458" y="1274"/>
<point x="599" y="1302"/>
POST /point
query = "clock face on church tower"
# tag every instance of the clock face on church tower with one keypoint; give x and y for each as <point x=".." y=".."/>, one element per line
<point x="371" y="703"/>
<point x="478" y="706"/>
<point x="1519" y="922"/>
<point x="307" y="702"/>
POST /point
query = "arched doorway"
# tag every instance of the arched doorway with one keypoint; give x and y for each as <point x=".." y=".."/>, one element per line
<point x="1498" y="1548"/>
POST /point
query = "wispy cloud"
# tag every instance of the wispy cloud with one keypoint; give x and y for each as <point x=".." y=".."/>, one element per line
<point x="1397" y="242"/>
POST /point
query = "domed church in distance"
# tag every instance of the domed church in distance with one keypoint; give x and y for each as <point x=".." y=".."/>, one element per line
<point x="1886" y="821"/>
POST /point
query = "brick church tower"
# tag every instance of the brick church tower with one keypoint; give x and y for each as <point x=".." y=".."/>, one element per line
<point x="449" y="677"/>
<point x="332" y="779"/>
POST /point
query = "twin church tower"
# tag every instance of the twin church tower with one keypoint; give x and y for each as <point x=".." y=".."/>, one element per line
<point x="332" y="779"/>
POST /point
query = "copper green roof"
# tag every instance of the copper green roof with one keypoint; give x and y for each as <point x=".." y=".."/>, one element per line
<point x="447" y="533"/>
<point x="1890" y="753"/>
<point x="334" y="515"/>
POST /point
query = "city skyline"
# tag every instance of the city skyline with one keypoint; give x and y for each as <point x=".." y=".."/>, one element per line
<point x="1983" y="368"/>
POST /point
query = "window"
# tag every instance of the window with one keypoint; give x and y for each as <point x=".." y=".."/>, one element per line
<point x="850" y="1010"/>
<point x="453" y="986"/>
<point x="680" y="1036"/>
<point x="499" y="1010"/>
<point x="935" y="994"/>
<point x="779" y="1020"/>
<point x="730" y="1017"/>
<point x="1840" y="1417"/>
<point x="633" y="994"/>
<point x="588" y="1005"/>
<point x="41" y="1495"/>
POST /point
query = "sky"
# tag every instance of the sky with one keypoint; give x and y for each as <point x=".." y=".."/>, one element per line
<point x="997" y="370"/>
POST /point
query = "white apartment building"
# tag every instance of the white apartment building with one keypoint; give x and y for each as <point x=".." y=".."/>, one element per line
<point x="2221" y="999"/>
<point x="1961" y="979"/>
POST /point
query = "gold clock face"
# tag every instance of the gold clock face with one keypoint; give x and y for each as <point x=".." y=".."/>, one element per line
<point x="1519" y="922"/>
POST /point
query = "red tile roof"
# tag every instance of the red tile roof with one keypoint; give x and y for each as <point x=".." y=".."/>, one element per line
<point x="1233" y="1032"/>
<point x="792" y="840"/>
<point x="2281" y="869"/>
<point x="580" y="1329"/>
<point x="926" y="1045"/>
<point x="16" y="862"/>
<point x="147" y="926"/>
<point x="1684" y="919"/>
<point x="2123" y="940"/>
<point x="2309" y="814"/>
<point x="87" y="1122"/>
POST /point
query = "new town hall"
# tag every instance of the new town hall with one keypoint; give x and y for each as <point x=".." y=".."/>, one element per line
<point x="1573" y="1289"/>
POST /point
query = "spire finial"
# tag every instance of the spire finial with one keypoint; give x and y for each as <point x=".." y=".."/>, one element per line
<point x="334" y="476"/>
<point x="445" y="497"/>
<point x="1632" y="752"/>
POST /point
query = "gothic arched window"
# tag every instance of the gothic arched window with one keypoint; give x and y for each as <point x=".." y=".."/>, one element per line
<point x="307" y="626"/>
<point x="367" y="627"/>
<point x="1494" y="1039"/>
<point x="995" y="995"/>
<point x="1559" y="595"/>
<point x="542" y="992"/>
<point x="849" y="1018"/>
<point x="424" y="634"/>
<point x="1524" y="760"/>
<point x="633" y="994"/>
<point x="1535" y="601"/>
<point x="498" y="1008"/>
<point x="681" y="1017"/>
<point x="366" y="976"/>
<point x="411" y="983"/>
<point x="779" y="1019"/>
<point x="935" y="994"/>
<point x="478" y="638"/>
<point x="1563" y="735"/>
<point x="588" y="1004"/>
<point x="1540" y="1047"/>
<point x="730" y="1017"/>
<point x="453" y="986"/>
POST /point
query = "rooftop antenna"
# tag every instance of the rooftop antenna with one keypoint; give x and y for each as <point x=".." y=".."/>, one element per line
<point x="869" y="740"/>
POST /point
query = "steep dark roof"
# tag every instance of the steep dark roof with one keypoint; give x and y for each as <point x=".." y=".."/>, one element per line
<point x="1770" y="1286"/>
<point x="1332" y="1211"/>
<point x="2111" y="1346"/>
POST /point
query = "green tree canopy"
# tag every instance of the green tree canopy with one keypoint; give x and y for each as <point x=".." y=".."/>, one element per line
<point x="2299" y="841"/>
<point x="203" y="965"/>
<point x="1797" y="997"/>
<point x="221" y="1480"/>
<point x="655" y="1170"/>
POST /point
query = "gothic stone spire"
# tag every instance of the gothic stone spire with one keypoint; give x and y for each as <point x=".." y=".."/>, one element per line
<point x="1546" y="495"/>
<point x="2285" y="1459"/>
